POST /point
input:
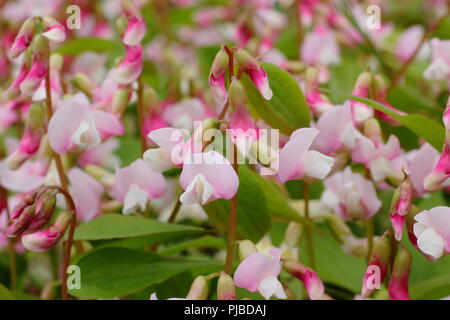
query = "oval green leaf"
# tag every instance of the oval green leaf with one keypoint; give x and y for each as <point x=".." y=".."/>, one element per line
<point x="287" y="110"/>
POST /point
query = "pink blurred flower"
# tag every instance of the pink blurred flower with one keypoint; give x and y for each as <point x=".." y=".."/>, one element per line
<point x="439" y="69"/>
<point x="320" y="47"/>
<point x="297" y="161"/>
<point x="130" y="68"/>
<point x="86" y="193"/>
<point x="350" y="195"/>
<point x="432" y="230"/>
<point x="101" y="155"/>
<point x="135" y="185"/>
<point x="207" y="176"/>
<point x="136" y="28"/>
<point x="259" y="272"/>
<point x="408" y="41"/>
<point x="75" y="126"/>
<point x="377" y="158"/>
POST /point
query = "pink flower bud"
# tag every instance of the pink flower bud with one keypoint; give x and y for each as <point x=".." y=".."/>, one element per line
<point x="14" y="88"/>
<point x="19" y="224"/>
<point x="45" y="207"/>
<point x="378" y="264"/>
<point x="199" y="289"/>
<point x="130" y="68"/>
<point x="23" y="38"/>
<point x="225" y="287"/>
<point x="316" y="100"/>
<point x="135" y="30"/>
<point x="441" y="171"/>
<point x="398" y="283"/>
<point x="53" y="30"/>
<point x="246" y="248"/>
<point x="217" y="76"/>
<point x="31" y="138"/>
<point x="313" y="285"/>
<point x="46" y="239"/>
<point x="256" y="73"/>
<point x="238" y="96"/>
<point x="446" y="120"/>
<point x="401" y="205"/>
<point x="360" y="111"/>
<point x="38" y="69"/>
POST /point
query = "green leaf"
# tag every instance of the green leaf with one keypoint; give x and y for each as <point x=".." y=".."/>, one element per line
<point x="112" y="272"/>
<point x="277" y="203"/>
<point x="202" y="242"/>
<point x="116" y="226"/>
<point x="287" y="110"/>
<point x="5" y="294"/>
<point x="407" y="98"/>
<point x="80" y="45"/>
<point x="253" y="218"/>
<point x="431" y="289"/>
<point x="334" y="265"/>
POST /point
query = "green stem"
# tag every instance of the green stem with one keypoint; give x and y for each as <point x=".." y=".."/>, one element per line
<point x="140" y="113"/>
<point x="308" y="231"/>
<point x="12" y="265"/>
<point x="370" y="227"/>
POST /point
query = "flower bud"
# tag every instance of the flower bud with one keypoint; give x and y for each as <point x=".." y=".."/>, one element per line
<point x="246" y="248"/>
<point x="293" y="234"/>
<point x="135" y="28"/>
<point x="38" y="69"/>
<point x="398" y="283"/>
<point x="237" y="95"/>
<point x="120" y="100"/>
<point x="256" y="73"/>
<point x="31" y="138"/>
<point x="46" y="239"/>
<point x="225" y="287"/>
<point x="217" y="76"/>
<point x="361" y="111"/>
<point x="372" y="130"/>
<point x="45" y="207"/>
<point x="84" y="83"/>
<point x="23" y="38"/>
<point x="313" y="285"/>
<point x="339" y="227"/>
<point x="20" y="224"/>
<point x="446" y="120"/>
<point x="199" y="289"/>
<point x="378" y="264"/>
<point x="149" y="97"/>
<point x="400" y="206"/>
<point x="53" y="30"/>
<point x="23" y="203"/>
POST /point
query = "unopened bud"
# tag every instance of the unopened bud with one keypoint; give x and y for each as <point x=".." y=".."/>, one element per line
<point x="23" y="38"/>
<point x="293" y="234"/>
<point x="56" y="61"/>
<point x="199" y="289"/>
<point x="237" y="94"/>
<point x="121" y="24"/>
<point x="339" y="227"/>
<point x="246" y="248"/>
<point x="401" y="205"/>
<point x="84" y="83"/>
<point x="20" y="224"/>
<point x="398" y="283"/>
<point x="225" y="287"/>
<point x="120" y="100"/>
<point x="372" y="130"/>
<point x="313" y="285"/>
<point x="40" y="46"/>
<point x="220" y="63"/>
<point x="245" y="60"/>
<point x="378" y="264"/>
<point x="44" y="209"/>
<point x="363" y="83"/>
<point x="149" y="97"/>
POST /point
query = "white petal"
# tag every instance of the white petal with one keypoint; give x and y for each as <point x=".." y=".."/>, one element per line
<point x="431" y="243"/>
<point x="86" y="136"/>
<point x="198" y="191"/>
<point x="270" y="286"/>
<point x="380" y="168"/>
<point x="55" y="35"/>
<point x="135" y="200"/>
<point x="317" y="165"/>
<point x="418" y="228"/>
<point x="438" y="70"/>
<point x="158" y="159"/>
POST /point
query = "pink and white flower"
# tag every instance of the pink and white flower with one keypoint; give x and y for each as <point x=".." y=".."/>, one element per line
<point x="298" y="162"/>
<point x="439" y="69"/>
<point x="350" y="195"/>
<point x="135" y="185"/>
<point x="432" y="230"/>
<point x="130" y="68"/>
<point x="259" y="272"/>
<point x="75" y="126"/>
